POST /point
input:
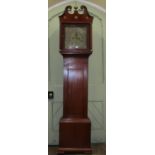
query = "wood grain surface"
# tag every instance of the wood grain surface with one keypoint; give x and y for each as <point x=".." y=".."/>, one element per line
<point x="98" y="149"/>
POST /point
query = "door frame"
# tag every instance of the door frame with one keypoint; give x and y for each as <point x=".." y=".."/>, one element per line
<point x="99" y="13"/>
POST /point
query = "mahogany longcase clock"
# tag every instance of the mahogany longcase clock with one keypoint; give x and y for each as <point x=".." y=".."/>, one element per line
<point x="75" y="46"/>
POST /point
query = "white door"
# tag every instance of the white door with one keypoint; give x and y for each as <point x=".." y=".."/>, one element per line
<point x="96" y="84"/>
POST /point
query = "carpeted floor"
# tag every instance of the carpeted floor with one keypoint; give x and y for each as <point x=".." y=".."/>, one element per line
<point x="98" y="149"/>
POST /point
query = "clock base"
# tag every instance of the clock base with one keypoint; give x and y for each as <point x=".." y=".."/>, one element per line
<point x="74" y="150"/>
<point x="75" y="135"/>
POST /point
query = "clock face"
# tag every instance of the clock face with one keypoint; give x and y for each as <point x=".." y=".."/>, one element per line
<point x="75" y="37"/>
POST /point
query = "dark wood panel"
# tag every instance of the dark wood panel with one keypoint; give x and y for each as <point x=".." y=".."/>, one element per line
<point x="70" y="135"/>
<point x="75" y="87"/>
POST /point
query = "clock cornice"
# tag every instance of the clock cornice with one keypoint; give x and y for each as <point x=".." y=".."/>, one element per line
<point x="75" y="15"/>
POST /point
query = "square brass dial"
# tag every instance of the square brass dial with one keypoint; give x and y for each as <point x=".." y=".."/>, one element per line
<point x="75" y="37"/>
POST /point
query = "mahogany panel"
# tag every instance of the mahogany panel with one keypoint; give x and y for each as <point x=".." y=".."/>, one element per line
<point x="75" y="87"/>
<point x="72" y="138"/>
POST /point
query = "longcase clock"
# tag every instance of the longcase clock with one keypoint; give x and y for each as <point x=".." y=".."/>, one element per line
<point x="75" y="47"/>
